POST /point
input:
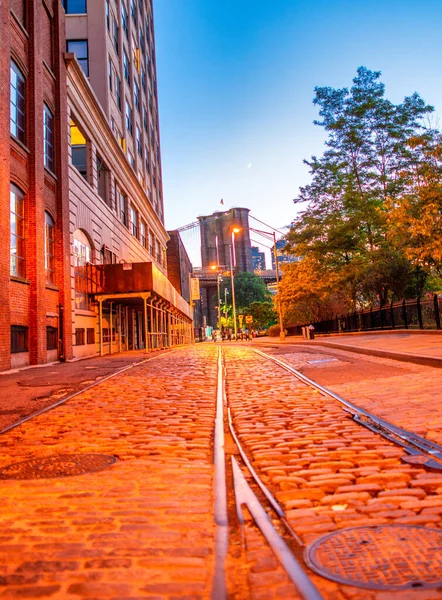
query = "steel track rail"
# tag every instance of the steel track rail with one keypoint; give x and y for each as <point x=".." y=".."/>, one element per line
<point x="46" y="409"/>
<point x="422" y="451"/>
<point x="244" y="495"/>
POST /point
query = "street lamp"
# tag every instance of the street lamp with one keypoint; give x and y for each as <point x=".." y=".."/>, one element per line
<point x="213" y="267"/>
<point x="232" y="265"/>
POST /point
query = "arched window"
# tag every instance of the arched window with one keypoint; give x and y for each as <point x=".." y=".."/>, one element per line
<point x="18" y="253"/>
<point x="82" y="256"/>
<point x="49" y="249"/>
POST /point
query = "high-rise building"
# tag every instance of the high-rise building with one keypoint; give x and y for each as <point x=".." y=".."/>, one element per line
<point x="259" y="259"/>
<point x="283" y="257"/>
<point x="122" y="298"/>
<point x="114" y="43"/>
<point x="34" y="213"/>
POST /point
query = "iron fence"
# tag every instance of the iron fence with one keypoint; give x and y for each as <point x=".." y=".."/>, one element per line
<point x="416" y="313"/>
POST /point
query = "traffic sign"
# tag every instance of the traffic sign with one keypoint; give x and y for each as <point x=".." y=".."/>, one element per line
<point x="249" y="319"/>
<point x="240" y="318"/>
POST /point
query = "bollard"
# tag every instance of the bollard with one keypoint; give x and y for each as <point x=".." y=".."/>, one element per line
<point x="311" y="332"/>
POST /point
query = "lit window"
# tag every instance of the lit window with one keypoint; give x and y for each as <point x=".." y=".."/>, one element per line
<point x="49" y="249"/>
<point x="80" y="49"/>
<point x="17" y="204"/>
<point x="75" y="7"/>
<point x="78" y="149"/>
<point x="48" y="138"/>
<point x="17" y="103"/>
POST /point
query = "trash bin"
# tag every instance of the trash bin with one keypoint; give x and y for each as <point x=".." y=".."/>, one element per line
<point x="311" y="332"/>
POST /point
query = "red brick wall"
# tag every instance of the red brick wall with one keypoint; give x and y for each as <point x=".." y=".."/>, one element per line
<point x="31" y="303"/>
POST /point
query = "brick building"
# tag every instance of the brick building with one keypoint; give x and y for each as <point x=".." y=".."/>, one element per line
<point x="34" y="270"/>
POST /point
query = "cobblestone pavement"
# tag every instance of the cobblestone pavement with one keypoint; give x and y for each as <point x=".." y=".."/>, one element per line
<point x="405" y="394"/>
<point x="326" y="471"/>
<point x="142" y="528"/>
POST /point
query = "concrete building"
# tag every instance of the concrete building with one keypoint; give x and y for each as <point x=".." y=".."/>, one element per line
<point x="258" y="259"/>
<point x="282" y="256"/>
<point x="34" y="212"/>
<point x="121" y="296"/>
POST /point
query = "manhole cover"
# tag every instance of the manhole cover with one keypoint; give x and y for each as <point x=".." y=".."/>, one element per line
<point x="64" y="465"/>
<point x="387" y="557"/>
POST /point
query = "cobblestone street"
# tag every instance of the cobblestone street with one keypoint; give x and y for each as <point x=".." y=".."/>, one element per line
<point x="144" y="527"/>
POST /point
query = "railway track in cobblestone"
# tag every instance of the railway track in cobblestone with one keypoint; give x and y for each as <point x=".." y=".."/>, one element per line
<point x="330" y="552"/>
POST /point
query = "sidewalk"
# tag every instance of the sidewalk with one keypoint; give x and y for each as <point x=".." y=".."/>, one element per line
<point x="408" y="346"/>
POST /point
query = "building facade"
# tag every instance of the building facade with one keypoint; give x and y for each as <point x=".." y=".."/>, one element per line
<point x="34" y="213"/>
<point x="283" y="257"/>
<point x="258" y="259"/>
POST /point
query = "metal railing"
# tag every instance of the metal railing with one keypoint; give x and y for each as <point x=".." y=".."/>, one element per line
<point x="417" y="313"/>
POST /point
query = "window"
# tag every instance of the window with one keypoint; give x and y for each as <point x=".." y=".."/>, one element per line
<point x="150" y="243"/>
<point x="143" y="79"/>
<point x="78" y="149"/>
<point x="137" y="96"/>
<point x="123" y="209"/>
<point x="142" y="46"/>
<point x="102" y="178"/>
<point x="143" y="233"/>
<point x="17" y="203"/>
<point x="19" y="339"/>
<point x="151" y="137"/>
<point x="139" y="143"/>
<point x="90" y="332"/>
<point x="126" y="67"/>
<point x="82" y="256"/>
<point x="118" y="90"/>
<point x="17" y="103"/>
<point x="110" y="69"/>
<point x="158" y="253"/>
<point x="49" y="249"/>
<point x="107" y="15"/>
<point x="131" y="159"/>
<point x="145" y="122"/>
<point x="133" y="10"/>
<point x="133" y="222"/>
<point x="75" y="7"/>
<point x="51" y="338"/>
<point x="124" y="23"/>
<point x="80" y="49"/>
<point x="115" y="33"/>
<point x="79" y="336"/>
<point x="129" y="118"/>
<point x="147" y="159"/>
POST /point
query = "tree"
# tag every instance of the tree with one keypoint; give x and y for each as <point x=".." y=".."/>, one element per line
<point x="248" y="288"/>
<point x="263" y="313"/>
<point x="343" y="229"/>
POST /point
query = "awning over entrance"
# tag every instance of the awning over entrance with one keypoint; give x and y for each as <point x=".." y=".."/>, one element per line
<point x="144" y="306"/>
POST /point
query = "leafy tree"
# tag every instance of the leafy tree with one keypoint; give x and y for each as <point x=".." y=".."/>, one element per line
<point x="248" y="288"/>
<point x="263" y="314"/>
<point x="342" y="233"/>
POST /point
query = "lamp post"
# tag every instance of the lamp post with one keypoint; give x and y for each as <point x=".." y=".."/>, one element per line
<point x="232" y="265"/>
<point x="272" y="235"/>
<point x="213" y="267"/>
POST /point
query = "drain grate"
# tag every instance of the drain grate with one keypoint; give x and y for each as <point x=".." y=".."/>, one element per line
<point x="63" y="465"/>
<point x="386" y="557"/>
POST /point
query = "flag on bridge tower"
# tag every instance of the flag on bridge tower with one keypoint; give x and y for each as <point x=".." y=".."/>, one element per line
<point x="222" y="201"/>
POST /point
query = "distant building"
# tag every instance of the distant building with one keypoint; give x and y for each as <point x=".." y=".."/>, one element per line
<point x="282" y="257"/>
<point x="259" y="259"/>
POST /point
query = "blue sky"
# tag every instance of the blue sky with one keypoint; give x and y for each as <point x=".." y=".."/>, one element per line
<point x="236" y="82"/>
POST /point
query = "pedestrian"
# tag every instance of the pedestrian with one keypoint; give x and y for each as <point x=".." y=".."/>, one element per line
<point x="213" y="335"/>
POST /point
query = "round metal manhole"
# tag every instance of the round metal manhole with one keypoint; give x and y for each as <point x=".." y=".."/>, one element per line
<point x="63" y="465"/>
<point x="384" y="557"/>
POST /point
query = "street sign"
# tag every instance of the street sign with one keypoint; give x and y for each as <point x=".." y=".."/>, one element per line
<point x="194" y="288"/>
<point x="249" y="319"/>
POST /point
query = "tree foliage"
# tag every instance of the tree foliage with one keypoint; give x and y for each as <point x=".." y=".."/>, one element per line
<point x="367" y="178"/>
<point x="248" y="288"/>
